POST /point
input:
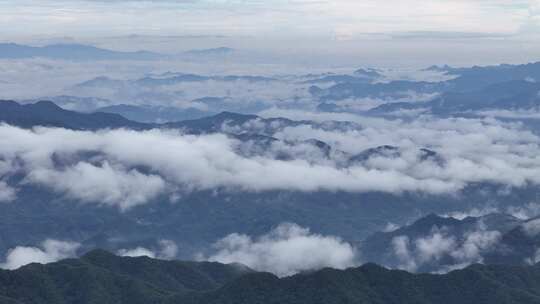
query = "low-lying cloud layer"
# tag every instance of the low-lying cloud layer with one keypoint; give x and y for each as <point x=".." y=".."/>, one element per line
<point x="286" y="250"/>
<point x="49" y="251"/>
<point x="128" y="168"/>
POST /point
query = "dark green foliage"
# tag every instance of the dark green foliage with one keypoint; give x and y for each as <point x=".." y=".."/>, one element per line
<point x="373" y="284"/>
<point x="100" y="277"/>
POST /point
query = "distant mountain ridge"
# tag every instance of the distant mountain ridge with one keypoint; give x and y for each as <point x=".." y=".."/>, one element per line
<point x="476" y="88"/>
<point x="71" y="52"/>
<point x="47" y="113"/>
<point x="100" y="277"/>
<point x="509" y="242"/>
<point x="219" y="51"/>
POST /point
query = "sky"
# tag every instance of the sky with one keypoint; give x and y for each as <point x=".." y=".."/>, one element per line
<point x="506" y="30"/>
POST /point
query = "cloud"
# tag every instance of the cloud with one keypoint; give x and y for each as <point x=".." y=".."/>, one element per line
<point x="50" y="251"/>
<point x="525" y="212"/>
<point x="512" y="114"/>
<point x="137" y="252"/>
<point x="286" y="250"/>
<point x="443" y="251"/>
<point x="433" y="247"/>
<point x="531" y="227"/>
<point x="342" y="19"/>
<point x="101" y="184"/>
<point x="117" y="167"/>
<point x="474" y="212"/>
<point x="533" y="259"/>
<point x="522" y="212"/>
<point x="401" y="249"/>
<point x="7" y="193"/>
<point x="166" y="250"/>
<point x="120" y="170"/>
<point x="474" y="245"/>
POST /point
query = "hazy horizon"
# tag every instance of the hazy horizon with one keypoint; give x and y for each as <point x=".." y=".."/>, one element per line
<point x="343" y="32"/>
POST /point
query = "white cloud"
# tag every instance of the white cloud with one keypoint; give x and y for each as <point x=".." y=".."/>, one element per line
<point x="430" y="250"/>
<point x="101" y="184"/>
<point x="400" y="245"/>
<point x="516" y="114"/>
<point x="7" y="193"/>
<point x="166" y="250"/>
<point x="525" y="212"/>
<point x="286" y="250"/>
<point x="474" y="212"/>
<point x="434" y="247"/>
<point x="534" y="259"/>
<point x="130" y="168"/>
<point x="532" y="227"/>
<point x="390" y="227"/>
<point x="125" y="172"/>
<point x="475" y="242"/>
<point x="137" y="252"/>
<point x="50" y="251"/>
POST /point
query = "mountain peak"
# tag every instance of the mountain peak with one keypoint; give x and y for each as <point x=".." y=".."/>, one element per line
<point x="46" y="104"/>
<point x="233" y="115"/>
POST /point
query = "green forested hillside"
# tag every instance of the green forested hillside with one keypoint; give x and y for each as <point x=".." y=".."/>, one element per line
<point x="100" y="277"/>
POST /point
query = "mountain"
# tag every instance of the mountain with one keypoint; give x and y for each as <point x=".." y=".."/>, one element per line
<point x="514" y="94"/>
<point x="71" y="52"/>
<point x="154" y="114"/>
<point x="485" y="235"/>
<point x="75" y="103"/>
<point x="384" y="90"/>
<point x="390" y="152"/>
<point x="47" y="113"/>
<point x="176" y="78"/>
<point x="100" y="277"/>
<point x="212" y="123"/>
<point x="467" y="81"/>
<point x="373" y="284"/>
<point x="184" y="219"/>
<point x="339" y="79"/>
<point x="476" y="77"/>
<point x="368" y="73"/>
<point x="219" y="51"/>
<point x="165" y="79"/>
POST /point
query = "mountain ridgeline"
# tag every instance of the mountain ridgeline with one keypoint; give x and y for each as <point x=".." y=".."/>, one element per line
<point x="100" y="277"/>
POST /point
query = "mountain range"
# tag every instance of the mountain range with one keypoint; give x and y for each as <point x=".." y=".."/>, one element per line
<point x="493" y="238"/>
<point x="78" y="52"/>
<point x="100" y="277"/>
<point x="470" y="89"/>
<point x="71" y="52"/>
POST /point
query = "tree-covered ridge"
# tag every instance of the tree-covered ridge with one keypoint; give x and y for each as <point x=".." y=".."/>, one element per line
<point x="100" y="277"/>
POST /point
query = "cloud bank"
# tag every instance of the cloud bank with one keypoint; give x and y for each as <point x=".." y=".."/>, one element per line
<point x="126" y="168"/>
<point x="167" y="250"/>
<point x="286" y="250"/>
<point x="49" y="251"/>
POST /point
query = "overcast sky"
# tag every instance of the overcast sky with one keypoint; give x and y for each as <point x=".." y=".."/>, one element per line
<point x="509" y="26"/>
